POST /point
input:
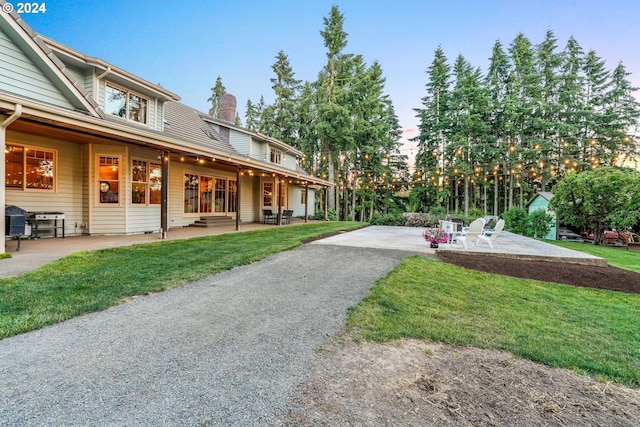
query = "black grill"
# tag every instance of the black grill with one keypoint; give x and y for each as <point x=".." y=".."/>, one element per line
<point x="15" y="221"/>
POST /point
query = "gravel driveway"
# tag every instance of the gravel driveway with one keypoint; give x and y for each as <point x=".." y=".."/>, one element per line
<point x="228" y="350"/>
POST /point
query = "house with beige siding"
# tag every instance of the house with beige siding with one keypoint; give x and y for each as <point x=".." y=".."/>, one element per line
<point x="112" y="153"/>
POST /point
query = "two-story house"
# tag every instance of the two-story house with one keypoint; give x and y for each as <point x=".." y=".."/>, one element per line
<point x="116" y="154"/>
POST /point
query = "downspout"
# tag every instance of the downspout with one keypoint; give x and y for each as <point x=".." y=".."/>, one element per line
<point x="3" y="167"/>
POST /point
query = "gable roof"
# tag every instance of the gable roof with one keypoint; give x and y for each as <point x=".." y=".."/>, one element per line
<point x="32" y="46"/>
<point x="108" y="70"/>
<point x="281" y="145"/>
<point x="547" y="195"/>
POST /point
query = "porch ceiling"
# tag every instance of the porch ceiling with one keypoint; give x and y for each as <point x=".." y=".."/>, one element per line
<point x="51" y="128"/>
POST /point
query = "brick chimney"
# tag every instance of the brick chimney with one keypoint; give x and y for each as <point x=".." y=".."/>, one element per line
<point x="228" y="108"/>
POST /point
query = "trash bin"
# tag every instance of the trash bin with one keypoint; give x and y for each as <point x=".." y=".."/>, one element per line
<point x="15" y="221"/>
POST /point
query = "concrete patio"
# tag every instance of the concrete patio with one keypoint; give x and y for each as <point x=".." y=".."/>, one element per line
<point x="506" y="245"/>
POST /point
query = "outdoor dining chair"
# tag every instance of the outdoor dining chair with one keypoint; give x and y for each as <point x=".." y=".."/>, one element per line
<point x="268" y="217"/>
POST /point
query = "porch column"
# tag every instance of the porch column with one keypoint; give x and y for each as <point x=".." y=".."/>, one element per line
<point x="237" y="198"/>
<point x="326" y="205"/>
<point x="3" y="167"/>
<point x="279" y="186"/>
<point x="306" y="202"/>
<point x="164" y="196"/>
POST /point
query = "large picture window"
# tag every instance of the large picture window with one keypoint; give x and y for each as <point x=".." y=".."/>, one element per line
<point x="146" y="182"/>
<point x="29" y="168"/>
<point x="207" y="194"/>
<point x="109" y="179"/>
<point x="125" y="104"/>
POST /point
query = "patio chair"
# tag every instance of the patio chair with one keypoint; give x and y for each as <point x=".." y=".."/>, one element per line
<point x="490" y="236"/>
<point x="286" y="216"/>
<point x="469" y="237"/>
<point x="268" y="217"/>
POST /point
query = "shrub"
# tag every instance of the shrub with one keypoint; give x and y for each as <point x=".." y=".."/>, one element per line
<point x="319" y="215"/>
<point x="515" y="220"/>
<point x="539" y="224"/>
<point x="420" y="220"/>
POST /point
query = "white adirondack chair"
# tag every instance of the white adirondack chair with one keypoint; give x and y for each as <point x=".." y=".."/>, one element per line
<point x="489" y="236"/>
<point x="469" y="237"/>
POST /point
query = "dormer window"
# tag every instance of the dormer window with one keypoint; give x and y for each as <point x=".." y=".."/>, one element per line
<point x="276" y="156"/>
<point x="126" y="104"/>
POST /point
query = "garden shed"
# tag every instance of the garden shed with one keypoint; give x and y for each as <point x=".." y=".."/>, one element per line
<point x="541" y="202"/>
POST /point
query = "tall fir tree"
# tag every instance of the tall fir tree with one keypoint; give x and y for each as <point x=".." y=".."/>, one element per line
<point x="333" y="113"/>
<point x="216" y="93"/>
<point x="434" y="126"/>
<point x="286" y="88"/>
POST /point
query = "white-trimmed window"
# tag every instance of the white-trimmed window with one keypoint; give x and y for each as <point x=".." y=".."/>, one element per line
<point x="303" y="196"/>
<point x="275" y="156"/>
<point x="109" y="179"/>
<point x="128" y="105"/>
<point x="30" y="168"/>
<point x="206" y="194"/>
<point x="267" y="193"/>
<point x="146" y="182"/>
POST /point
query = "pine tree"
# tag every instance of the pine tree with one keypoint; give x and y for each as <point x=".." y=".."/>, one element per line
<point x="286" y="87"/>
<point x="333" y="114"/>
<point x="216" y="92"/>
<point x="433" y="126"/>
<point x="501" y="104"/>
<point x="623" y="110"/>
<point x="252" y="116"/>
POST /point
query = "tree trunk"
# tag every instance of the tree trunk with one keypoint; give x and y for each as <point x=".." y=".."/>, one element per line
<point x="331" y="200"/>
<point x="466" y="195"/>
<point x="353" y="199"/>
<point x="495" y="195"/>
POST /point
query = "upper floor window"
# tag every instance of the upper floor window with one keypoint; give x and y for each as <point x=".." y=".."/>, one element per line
<point x="29" y="168"/>
<point x="125" y="104"/>
<point x="276" y="156"/>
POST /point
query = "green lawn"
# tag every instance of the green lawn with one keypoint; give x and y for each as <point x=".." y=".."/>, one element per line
<point x="94" y="280"/>
<point x="590" y="331"/>
<point x="617" y="257"/>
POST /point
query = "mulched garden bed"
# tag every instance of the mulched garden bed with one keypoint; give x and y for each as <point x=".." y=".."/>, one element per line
<point x="609" y="278"/>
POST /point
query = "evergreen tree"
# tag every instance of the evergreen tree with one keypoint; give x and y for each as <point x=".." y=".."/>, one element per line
<point x="286" y="87"/>
<point x="571" y="102"/>
<point x="216" y="92"/>
<point x="501" y="105"/>
<point x="622" y="111"/>
<point x="333" y="114"/>
<point x="433" y="126"/>
<point x="251" y="116"/>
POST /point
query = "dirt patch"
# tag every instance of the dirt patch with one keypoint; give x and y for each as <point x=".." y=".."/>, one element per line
<point x="415" y="383"/>
<point x="412" y="383"/>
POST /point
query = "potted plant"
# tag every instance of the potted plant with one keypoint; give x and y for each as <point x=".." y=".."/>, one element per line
<point x="434" y="236"/>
